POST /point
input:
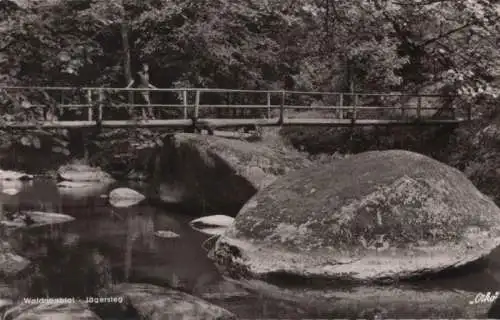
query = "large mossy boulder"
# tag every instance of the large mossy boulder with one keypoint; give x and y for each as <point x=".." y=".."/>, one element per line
<point x="220" y="174"/>
<point x="381" y="215"/>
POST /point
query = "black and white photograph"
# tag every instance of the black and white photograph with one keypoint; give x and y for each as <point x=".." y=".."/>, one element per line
<point x="249" y="159"/>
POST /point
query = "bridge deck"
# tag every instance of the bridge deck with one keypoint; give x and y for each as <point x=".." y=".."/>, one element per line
<point x="89" y="107"/>
<point x="223" y="123"/>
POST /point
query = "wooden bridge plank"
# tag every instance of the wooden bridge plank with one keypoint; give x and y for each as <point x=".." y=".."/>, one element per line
<point x="223" y="123"/>
<point x="172" y="123"/>
<point x="364" y="122"/>
<point x="49" y="124"/>
<point x="220" y="123"/>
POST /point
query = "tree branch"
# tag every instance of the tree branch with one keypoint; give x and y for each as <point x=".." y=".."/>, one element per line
<point x="421" y="4"/>
<point x="444" y="35"/>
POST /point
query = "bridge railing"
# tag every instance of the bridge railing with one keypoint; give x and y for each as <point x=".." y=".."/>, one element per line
<point x="226" y="107"/>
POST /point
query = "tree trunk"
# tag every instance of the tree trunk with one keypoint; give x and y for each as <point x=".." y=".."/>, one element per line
<point x="126" y="51"/>
<point x="126" y="54"/>
<point x="350" y="83"/>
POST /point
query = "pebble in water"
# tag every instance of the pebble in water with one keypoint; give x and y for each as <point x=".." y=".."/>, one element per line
<point x="212" y="225"/>
<point x="125" y="197"/>
<point x="166" y="234"/>
<point x="11" y="191"/>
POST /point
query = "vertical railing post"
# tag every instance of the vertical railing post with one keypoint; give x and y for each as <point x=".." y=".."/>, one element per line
<point x="185" y="103"/>
<point x="452" y="107"/>
<point x="402" y="111"/>
<point x="131" y="97"/>
<point x="197" y="105"/>
<point x="282" y="108"/>
<point x="101" y="103"/>
<point x="89" y="102"/>
<point x="419" y="107"/>
<point x="340" y="112"/>
<point x="269" y="105"/>
<point x="354" y="108"/>
<point x="60" y="106"/>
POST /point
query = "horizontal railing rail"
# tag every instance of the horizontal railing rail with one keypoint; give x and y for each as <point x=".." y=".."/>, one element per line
<point x="219" y="90"/>
<point x="279" y="107"/>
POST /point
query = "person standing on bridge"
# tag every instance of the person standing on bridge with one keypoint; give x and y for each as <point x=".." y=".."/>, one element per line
<point x="143" y="77"/>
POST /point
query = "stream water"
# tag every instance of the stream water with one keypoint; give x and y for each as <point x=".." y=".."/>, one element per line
<point x="106" y="244"/>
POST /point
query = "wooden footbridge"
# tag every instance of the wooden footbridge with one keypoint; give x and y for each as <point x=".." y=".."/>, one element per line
<point x="68" y="107"/>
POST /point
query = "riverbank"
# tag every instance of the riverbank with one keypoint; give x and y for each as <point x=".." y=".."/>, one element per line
<point x="141" y="155"/>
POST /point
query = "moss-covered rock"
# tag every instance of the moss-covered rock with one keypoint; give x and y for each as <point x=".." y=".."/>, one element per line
<point x="220" y="174"/>
<point x="373" y="216"/>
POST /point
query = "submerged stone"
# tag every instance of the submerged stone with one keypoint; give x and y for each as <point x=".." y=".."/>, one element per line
<point x="52" y="311"/>
<point x="212" y="225"/>
<point x="375" y="216"/>
<point x="167" y="234"/>
<point x="221" y="290"/>
<point x="11" y="264"/>
<point x="153" y="302"/>
<point x="125" y="197"/>
<point x="10" y="175"/>
<point x="14" y="187"/>
<point x="34" y="219"/>
<point x="83" y="173"/>
<point x="364" y="302"/>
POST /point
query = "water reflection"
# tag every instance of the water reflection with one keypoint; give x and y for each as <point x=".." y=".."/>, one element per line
<point x="40" y="195"/>
<point x="139" y="228"/>
<point x="66" y="272"/>
<point x="13" y="187"/>
<point x="81" y="190"/>
<point x="62" y="265"/>
<point x="12" y="201"/>
<point x="111" y="243"/>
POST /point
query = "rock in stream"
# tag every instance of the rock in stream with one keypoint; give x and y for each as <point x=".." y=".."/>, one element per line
<point x="376" y="216"/>
<point x="83" y="173"/>
<point x="219" y="173"/>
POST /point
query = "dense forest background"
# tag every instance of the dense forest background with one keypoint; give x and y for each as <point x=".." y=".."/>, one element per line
<point x="378" y="45"/>
<point x="413" y="46"/>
